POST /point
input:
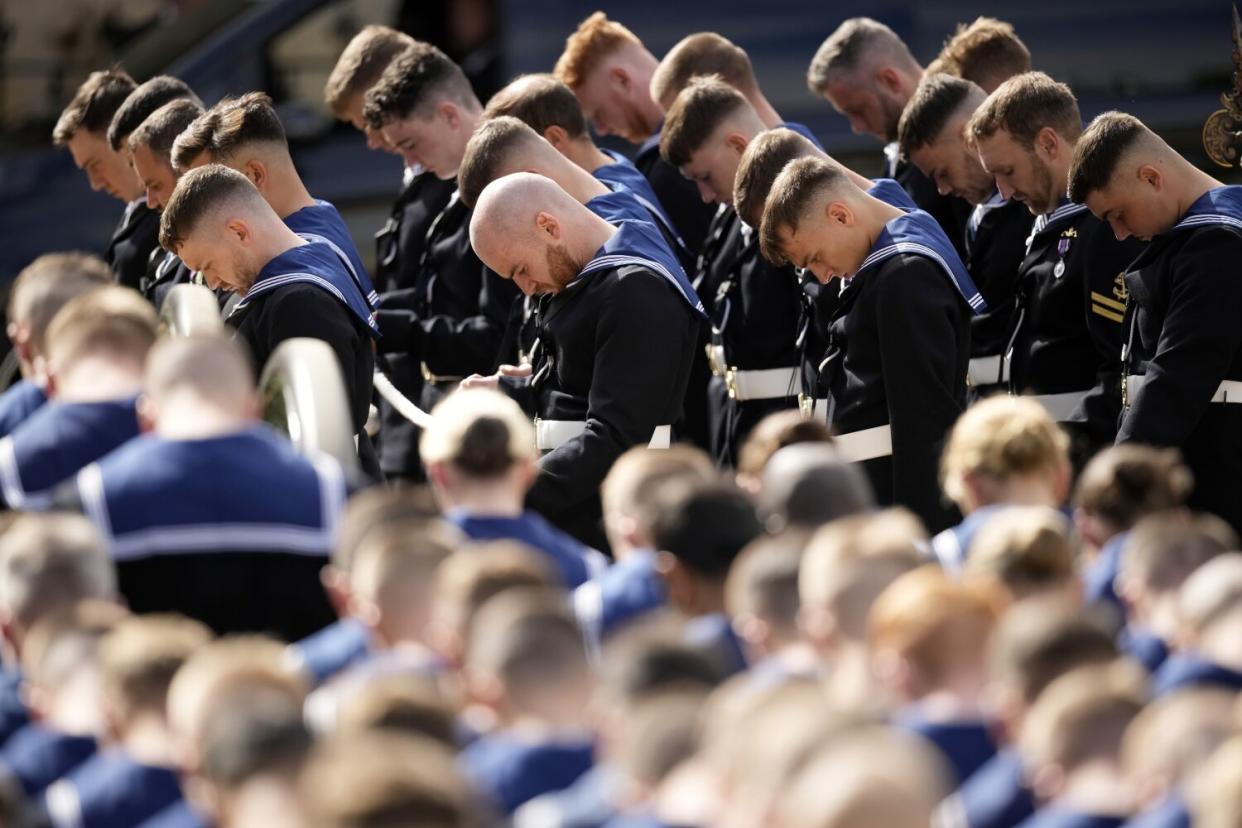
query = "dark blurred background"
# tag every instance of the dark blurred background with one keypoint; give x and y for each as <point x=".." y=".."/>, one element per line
<point x="1165" y="61"/>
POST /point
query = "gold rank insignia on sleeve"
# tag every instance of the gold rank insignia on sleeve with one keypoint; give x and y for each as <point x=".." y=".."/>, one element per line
<point x="1113" y="307"/>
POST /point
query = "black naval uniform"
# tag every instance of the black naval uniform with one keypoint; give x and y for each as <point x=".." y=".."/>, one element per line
<point x="753" y="309"/>
<point x="895" y="367"/>
<point x="307" y="292"/>
<point x="135" y="239"/>
<point x="678" y="195"/>
<point x="616" y="349"/>
<point x="1065" y="340"/>
<point x="168" y="272"/>
<point x="452" y="320"/>
<point x="1184" y="344"/>
<point x="398" y="250"/>
<point x="950" y="212"/>
<point x="995" y="245"/>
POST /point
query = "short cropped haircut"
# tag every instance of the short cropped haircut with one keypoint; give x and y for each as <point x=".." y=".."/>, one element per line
<point x="1027" y="549"/>
<point x="488" y="153"/>
<point x="418" y="78"/>
<point x="850" y="47"/>
<point x="987" y="52"/>
<point x="1025" y="104"/>
<point x="704" y="53"/>
<point x="49" y="283"/>
<point x="701" y="107"/>
<point x="93" y="105"/>
<point x="240" y="122"/>
<point x="596" y="38"/>
<point x="194" y="140"/>
<point x="527" y="639"/>
<point x="1083" y="716"/>
<point x="199" y="192"/>
<point x="1000" y="438"/>
<point x="358" y="68"/>
<point x="254" y="732"/>
<point x="212" y="367"/>
<point x="483" y="434"/>
<point x="763" y="581"/>
<point x="705" y="526"/>
<point x="1212" y="593"/>
<point x="808" y="484"/>
<point x="765" y="157"/>
<point x="382" y="780"/>
<point x="112" y="320"/>
<point x="472" y="576"/>
<point x="1097" y="153"/>
<point x="539" y="101"/>
<point x="1040" y="640"/>
<point x="1164" y="549"/>
<point x="633" y="485"/>
<point x="64" y="643"/>
<point x="48" y="563"/>
<point x="1123" y="483"/>
<point x="158" y="132"/>
<point x="929" y="110"/>
<point x="373" y="509"/>
<point x="400" y="703"/>
<point x="397" y="563"/>
<point x="139" y="658"/>
<point x="773" y="433"/>
<point x="144" y="100"/>
<point x="793" y="192"/>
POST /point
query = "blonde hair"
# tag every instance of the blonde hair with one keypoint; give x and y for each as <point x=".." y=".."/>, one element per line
<point x="112" y="319"/>
<point x="1026" y="549"/>
<point x="933" y="621"/>
<point x="596" y="38"/>
<point x="483" y="433"/>
<point x="1002" y="437"/>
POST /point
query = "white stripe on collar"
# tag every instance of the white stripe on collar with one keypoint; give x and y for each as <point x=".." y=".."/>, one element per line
<point x="888" y="251"/>
<point x="1208" y="219"/>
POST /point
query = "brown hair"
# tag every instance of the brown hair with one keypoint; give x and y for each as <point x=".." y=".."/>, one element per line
<point x="198" y="192"/>
<point x="793" y="192"/>
<point x="987" y="52"/>
<point x="1083" y="715"/>
<point x="1026" y="549"/>
<point x="239" y="122"/>
<point x="846" y="49"/>
<point x="776" y="431"/>
<point x="933" y="104"/>
<point x="487" y="153"/>
<point x="1040" y="640"/>
<point x="93" y="105"/>
<point x="419" y="77"/>
<point x="143" y="101"/>
<point x="1025" y="104"/>
<point x="701" y="107"/>
<point x="705" y="53"/>
<point x="158" y="132"/>
<point x="140" y="656"/>
<point x="112" y="319"/>
<point x="193" y="140"/>
<point x="49" y="283"/>
<point x="762" y="162"/>
<point x="539" y="101"/>
<point x="359" y="67"/>
<point x="595" y="38"/>
<point x="1164" y="549"/>
<point x="1123" y="483"/>
<point x="1098" y="151"/>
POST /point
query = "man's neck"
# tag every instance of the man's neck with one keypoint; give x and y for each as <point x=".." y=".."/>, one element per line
<point x="877" y="215"/>
<point x="96" y="378"/>
<point x="766" y="112"/>
<point x="1098" y="788"/>
<point x="580" y="184"/>
<point x="594" y="234"/>
<point x="586" y="155"/>
<point x="147" y="740"/>
<point x="190" y="417"/>
<point x="1194" y="184"/>
<point x="287" y="194"/>
<point x="483" y="500"/>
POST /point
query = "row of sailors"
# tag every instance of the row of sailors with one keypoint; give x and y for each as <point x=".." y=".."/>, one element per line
<point x="1046" y="317"/>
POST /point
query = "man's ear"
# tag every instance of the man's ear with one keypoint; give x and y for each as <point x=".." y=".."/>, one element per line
<point x="239" y="228"/>
<point x="256" y="171"/>
<point x="839" y="212"/>
<point x="557" y="137"/>
<point x="889" y="79"/>
<point x="1048" y="143"/>
<point x="1047" y="781"/>
<point x="548" y="224"/>
<point x="336" y="587"/>
<point x="449" y="111"/>
<point x="1151" y="175"/>
<point x="737" y="142"/>
<point x="619" y="77"/>
<point x="148" y="413"/>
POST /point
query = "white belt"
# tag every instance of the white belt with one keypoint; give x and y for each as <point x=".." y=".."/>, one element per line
<point x="986" y="370"/>
<point x="1229" y="392"/>
<point x="867" y="444"/>
<point x="761" y="384"/>
<point x="809" y="405"/>
<point x="552" y="434"/>
<point x="1060" y="406"/>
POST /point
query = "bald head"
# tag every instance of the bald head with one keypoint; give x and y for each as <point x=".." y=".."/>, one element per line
<point x="210" y="370"/>
<point x="526" y="228"/>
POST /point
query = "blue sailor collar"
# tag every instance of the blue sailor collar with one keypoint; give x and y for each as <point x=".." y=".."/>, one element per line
<point x="1047" y="222"/>
<point x="917" y="233"/>
<point x="639" y="243"/>
<point x="321" y="223"/>
<point x="622" y="176"/>
<point x="1219" y="206"/>
<point x="312" y="264"/>
<point x="802" y="130"/>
